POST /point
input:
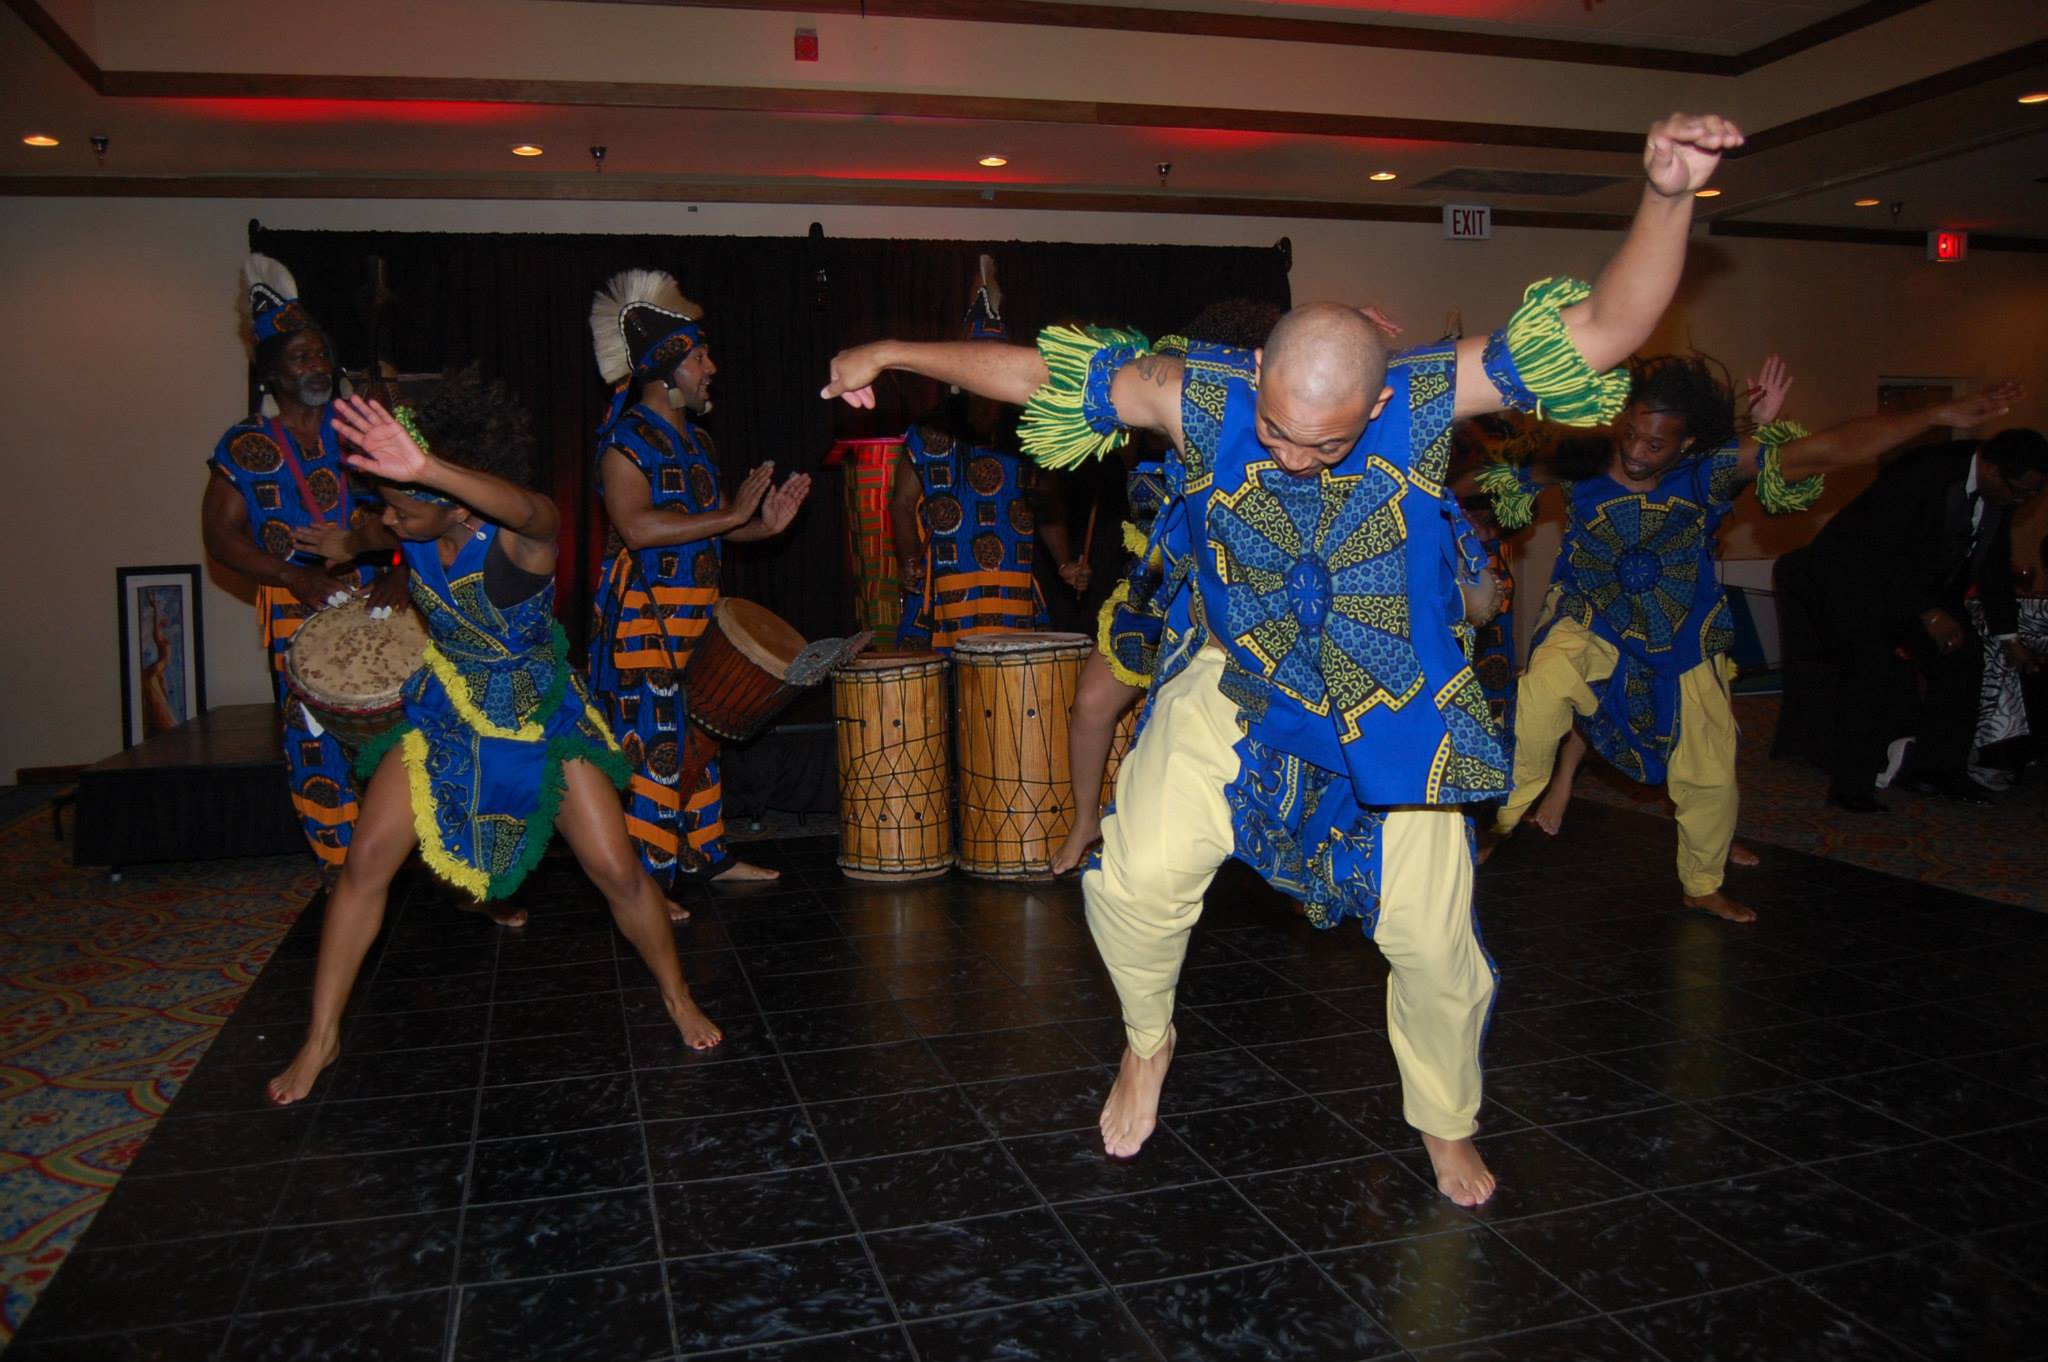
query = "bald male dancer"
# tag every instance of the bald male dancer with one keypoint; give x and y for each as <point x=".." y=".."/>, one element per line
<point x="1311" y="712"/>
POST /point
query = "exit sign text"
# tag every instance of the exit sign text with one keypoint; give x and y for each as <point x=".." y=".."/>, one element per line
<point x="1467" y="222"/>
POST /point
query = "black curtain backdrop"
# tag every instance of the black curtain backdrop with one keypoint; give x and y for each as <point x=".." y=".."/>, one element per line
<point x="776" y="309"/>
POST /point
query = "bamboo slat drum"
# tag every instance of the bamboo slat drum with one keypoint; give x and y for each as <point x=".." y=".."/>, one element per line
<point x="895" y="766"/>
<point x="1013" y="695"/>
<point x="1120" y="739"/>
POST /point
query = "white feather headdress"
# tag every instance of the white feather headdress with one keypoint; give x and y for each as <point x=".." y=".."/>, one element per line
<point x="625" y="292"/>
<point x="268" y="283"/>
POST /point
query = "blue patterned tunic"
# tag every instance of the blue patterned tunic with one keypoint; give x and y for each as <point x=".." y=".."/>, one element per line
<point x="489" y="720"/>
<point x="1637" y="569"/>
<point x="652" y="606"/>
<point x="979" y="534"/>
<point x="1336" y="597"/>
<point x="286" y="488"/>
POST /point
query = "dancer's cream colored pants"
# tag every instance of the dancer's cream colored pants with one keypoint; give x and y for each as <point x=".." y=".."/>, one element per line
<point x="1171" y="832"/>
<point x="1701" y="771"/>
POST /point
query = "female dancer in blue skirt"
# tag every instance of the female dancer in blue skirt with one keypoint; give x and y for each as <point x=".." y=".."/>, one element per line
<point x="499" y="747"/>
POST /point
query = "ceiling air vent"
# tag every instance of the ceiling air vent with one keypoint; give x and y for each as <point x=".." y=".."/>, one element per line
<point x="1537" y="183"/>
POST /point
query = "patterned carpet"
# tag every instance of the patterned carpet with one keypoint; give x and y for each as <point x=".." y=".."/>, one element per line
<point x="111" y="993"/>
<point x="1995" y="853"/>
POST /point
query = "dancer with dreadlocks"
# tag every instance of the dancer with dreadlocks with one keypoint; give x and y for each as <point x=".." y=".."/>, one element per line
<point x="1636" y="648"/>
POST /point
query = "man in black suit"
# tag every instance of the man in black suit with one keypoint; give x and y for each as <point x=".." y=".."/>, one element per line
<point x="1888" y="576"/>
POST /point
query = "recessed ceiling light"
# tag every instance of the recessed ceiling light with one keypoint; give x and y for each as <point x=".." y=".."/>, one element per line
<point x="527" y="149"/>
<point x="1867" y="203"/>
<point x="1382" y="176"/>
<point x="40" y="139"/>
<point x="2035" y="97"/>
<point x="993" y="161"/>
<point x="1706" y="193"/>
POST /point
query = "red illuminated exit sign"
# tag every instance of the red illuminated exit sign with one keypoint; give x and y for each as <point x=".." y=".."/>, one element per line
<point x="1948" y="247"/>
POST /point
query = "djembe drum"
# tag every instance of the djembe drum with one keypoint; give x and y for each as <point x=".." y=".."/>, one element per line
<point x="1013" y="694"/>
<point x="349" y="670"/>
<point x="895" y="766"/>
<point x="870" y="469"/>
<point x="748" y="664"/>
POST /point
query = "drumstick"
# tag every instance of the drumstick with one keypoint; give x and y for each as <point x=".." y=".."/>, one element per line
<point x="1088" y="535"/>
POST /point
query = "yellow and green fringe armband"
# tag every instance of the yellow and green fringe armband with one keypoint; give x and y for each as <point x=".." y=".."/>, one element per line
<point x="1566" y="388"/>
<point x="1070" y="418"/>
<point x="1514" y="502"/>
<point x="1773" y="493"/>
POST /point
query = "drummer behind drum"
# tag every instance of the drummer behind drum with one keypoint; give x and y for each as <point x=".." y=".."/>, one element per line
<point x="659" y="480"/>
<point x="962" y="515"/>
<point x="277" y="475"/>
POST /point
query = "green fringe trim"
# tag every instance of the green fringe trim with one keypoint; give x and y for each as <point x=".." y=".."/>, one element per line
<point x="371" y="754"/>
<point x="1055" y="430"/>
<point x="1568" y="390"/>
<point x="1773" y="493"/>
<point x="1513" y="504"/>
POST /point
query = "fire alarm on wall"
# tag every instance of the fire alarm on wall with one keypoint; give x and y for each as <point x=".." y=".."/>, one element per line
<point x="807" y="44"/>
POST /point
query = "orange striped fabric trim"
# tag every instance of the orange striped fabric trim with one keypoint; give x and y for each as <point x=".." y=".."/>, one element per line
<point x="660" y="794"/>
<point x="706" y="797"/>
<point x="707" y="834"/>
<point x="987" y="605"/>
<point x="636" y="599"/>
<point x="644" y="659"/>
<point x="331" y="855"/>
<point x="321" y="814"/>
<point x="659" y="838"/>
<point x="993" y="579"/>
<point x="686" y="627"/>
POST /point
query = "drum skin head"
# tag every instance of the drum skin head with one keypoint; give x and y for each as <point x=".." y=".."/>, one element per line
<point x="344" y="660"/>
<point x="1020" y="642"/>
<point x="760" y="634"/>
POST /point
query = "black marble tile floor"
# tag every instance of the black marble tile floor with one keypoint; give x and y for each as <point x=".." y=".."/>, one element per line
<point x="1819" y="1138"/>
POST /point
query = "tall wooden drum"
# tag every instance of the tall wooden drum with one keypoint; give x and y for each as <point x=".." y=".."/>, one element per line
<point x="895" y="766"/>
<point x="1013" y="695"/>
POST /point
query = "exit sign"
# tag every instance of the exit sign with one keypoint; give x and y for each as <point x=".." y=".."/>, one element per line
<point x="1467" y="222"/>
<point x="1948" y="247"/>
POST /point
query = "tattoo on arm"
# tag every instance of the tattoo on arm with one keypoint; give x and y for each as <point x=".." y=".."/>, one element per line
<point x="1155" y="370"/>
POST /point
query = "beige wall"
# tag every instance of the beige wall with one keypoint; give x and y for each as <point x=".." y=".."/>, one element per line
<point x="119" y="367"/>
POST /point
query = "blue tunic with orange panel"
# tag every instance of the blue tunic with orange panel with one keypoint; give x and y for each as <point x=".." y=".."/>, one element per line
<point x="286" y="488"/>
<point x="979" y="535"/>
<point x="652" y="606"/>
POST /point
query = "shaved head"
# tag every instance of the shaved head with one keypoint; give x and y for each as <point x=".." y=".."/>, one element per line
<point x="1325" y="353"/>
<point x="1321" y="377"/>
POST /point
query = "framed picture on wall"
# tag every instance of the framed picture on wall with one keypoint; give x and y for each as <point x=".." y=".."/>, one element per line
<point x="163" y="649"/>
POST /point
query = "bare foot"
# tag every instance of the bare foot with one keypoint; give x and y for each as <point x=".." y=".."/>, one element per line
<point x="1489" y="840"/>
<point x="676" y="911"/>
<point x="1087" y="832"/>
<point x="1720" y="905"/>
<point x="1738" y="854"/>
<point x="1549" y="811"/>
<point x="699" y="1031"/>
<point x="303" y="1072"/>
<point x="1461" y="1174"/>
<point x="1132" y="1111"/>
<point x="745" y="872"/>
